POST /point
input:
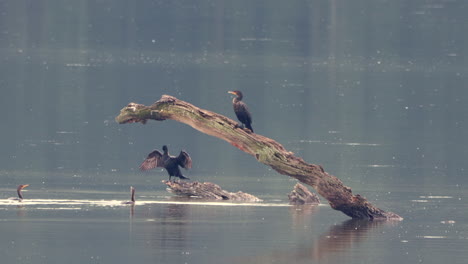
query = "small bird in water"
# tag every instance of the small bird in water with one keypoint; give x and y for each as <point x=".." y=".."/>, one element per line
<point x="132" y="200"/>
<point x="170" y="163"/>
<point x="241" y="110"/>
<point x="18" y="191"/>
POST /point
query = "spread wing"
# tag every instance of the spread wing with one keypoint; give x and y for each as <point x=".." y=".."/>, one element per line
<point x="153" y="160"/>
<point x="184" y="160"/>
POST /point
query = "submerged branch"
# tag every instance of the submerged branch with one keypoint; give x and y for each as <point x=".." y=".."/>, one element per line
<point x="208" y="190"/>
<point x="301" y="195"/>
<point x="265" y="150"/>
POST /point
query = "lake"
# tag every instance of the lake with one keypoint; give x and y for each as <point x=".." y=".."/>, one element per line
<point x="374" y="91"/>
<point x="60" y="225"/>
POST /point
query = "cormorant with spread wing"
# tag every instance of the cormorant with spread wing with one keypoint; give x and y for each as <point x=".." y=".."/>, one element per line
<point x="170" y="163"/>
<point x="241" y="110"/>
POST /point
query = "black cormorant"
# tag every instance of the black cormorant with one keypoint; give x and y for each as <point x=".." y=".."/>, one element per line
<point x="170" y="163"/>
<point x="132" y="200"/>
<point x="241" y="110"/>
<point x="18" y="191"/>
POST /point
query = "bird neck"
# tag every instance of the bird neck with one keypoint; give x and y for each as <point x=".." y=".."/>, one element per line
<point x="19" y="193"/>
<point x="133" y="195"/>
<point x="236" y="99"/>
<point x="165" y="151"/>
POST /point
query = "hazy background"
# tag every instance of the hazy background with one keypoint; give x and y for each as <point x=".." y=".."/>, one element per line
<point x="375" y="91"/>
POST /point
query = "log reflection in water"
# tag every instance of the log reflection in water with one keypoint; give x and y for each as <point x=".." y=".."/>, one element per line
<point x="339" y="238"/>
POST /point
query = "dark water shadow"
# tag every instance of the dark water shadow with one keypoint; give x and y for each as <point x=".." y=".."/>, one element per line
<point x="168" y="227"/>
<point x="301" y="214"/>
<point x="338" y="239"/>
<point x="21" y="211"/>
<point x="132" y="211"/>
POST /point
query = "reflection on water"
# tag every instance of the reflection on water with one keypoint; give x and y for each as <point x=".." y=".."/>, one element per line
<point x="179" y="230"/>
<point x="338" y="240"/>
<point x="339" y="143"/>
<point x="302" y="214"/>
<point x="343" y="237"/>
<point x="112" y="203"/>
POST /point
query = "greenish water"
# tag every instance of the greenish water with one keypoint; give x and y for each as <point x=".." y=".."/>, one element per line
<point x="92" y="226"/>
<point x="374" y="91"/>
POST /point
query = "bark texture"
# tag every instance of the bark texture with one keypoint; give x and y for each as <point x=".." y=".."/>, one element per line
<point x="301" y="195"/>
<point x="263" y="149"/>
<point x="208" y="190"/>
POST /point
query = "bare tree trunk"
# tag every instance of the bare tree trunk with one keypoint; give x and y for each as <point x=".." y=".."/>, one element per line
<point x="265" y="150"/>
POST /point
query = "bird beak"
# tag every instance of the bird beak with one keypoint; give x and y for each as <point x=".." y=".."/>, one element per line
<point x="231" y="92"/>
<point x="24" y="186"/>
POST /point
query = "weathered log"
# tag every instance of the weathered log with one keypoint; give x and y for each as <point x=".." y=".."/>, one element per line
<point x="301" y="195"/>
<point x="265" y="150"/>
<point x="208" y="190"/>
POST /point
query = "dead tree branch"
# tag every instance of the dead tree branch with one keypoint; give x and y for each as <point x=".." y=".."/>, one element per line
<point x="265" y="150"/>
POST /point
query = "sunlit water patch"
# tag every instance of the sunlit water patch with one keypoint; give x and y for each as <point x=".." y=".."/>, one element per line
<point x="432" y="237"/>
<point x="420" y="201"/>
<point x="111" y="203"/>
<point x="436" y="197"/>
<point x="59" y="208"/>
<point x="339" y="143"/>
<point x="65" y="132"/>
<point x="448" y="222"/>
<point x="78" y="65"/>
<point x="379" y="166"/>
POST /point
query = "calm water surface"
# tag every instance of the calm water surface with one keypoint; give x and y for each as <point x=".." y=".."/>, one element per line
<point x="61" y="226"/>
<point x="373" y="90"/>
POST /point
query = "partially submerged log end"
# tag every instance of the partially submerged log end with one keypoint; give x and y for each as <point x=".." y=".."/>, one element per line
<point x="207" y="190"/>
<point x="301" y="195"/>
<point x="360" y="208"/>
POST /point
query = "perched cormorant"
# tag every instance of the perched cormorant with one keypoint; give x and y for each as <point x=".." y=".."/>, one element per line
<point x="18" y="191"/>
<point x="170" y="163"/>
<point x="132" y="200"/>
<point x="241" y="110"/>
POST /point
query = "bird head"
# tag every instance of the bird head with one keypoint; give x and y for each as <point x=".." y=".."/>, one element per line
<point x="22" y="186"/>
<point x="236" y="93"/>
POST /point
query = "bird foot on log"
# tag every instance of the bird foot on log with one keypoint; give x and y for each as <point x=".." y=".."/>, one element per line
<point x="241" y="126"/>
<point x="301" y="195"/>
<point x="207" y="190"/>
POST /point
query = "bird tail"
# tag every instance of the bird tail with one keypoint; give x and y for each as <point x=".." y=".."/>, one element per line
<point x="249" y="127"/>
<point x="182" y="177"/>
